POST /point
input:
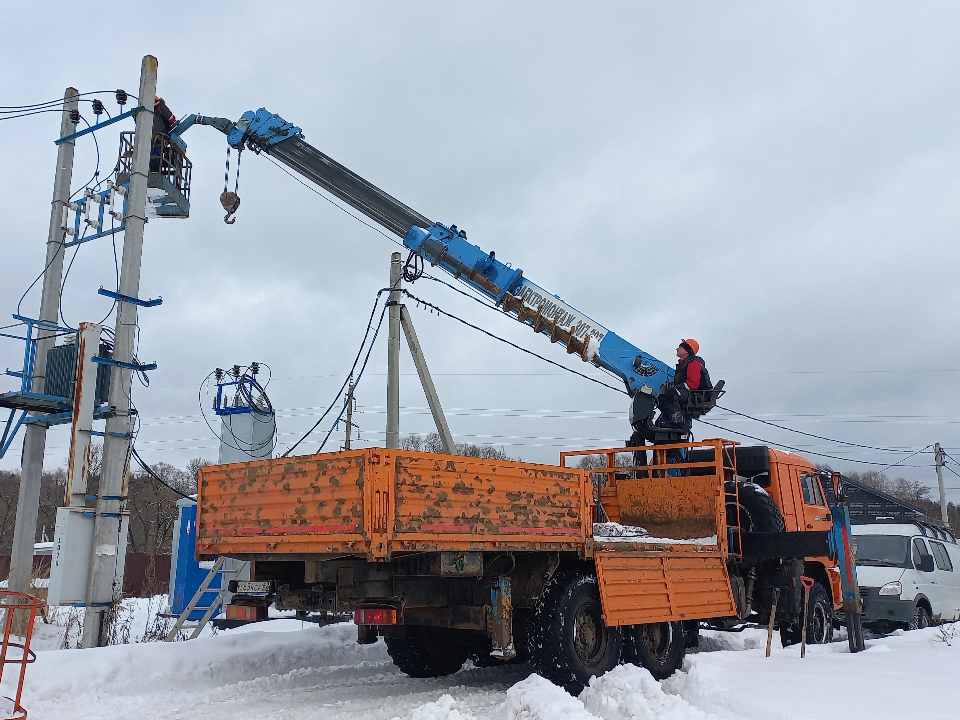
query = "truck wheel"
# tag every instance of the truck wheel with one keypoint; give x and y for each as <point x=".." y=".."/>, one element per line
<point x="568" y="641"/>
<point x="819" y="620"/>
<point x="756" y="512"/>
<point x="921" y="619"/>
<point x="427" y="652"/>
<point x="658" y="647"/>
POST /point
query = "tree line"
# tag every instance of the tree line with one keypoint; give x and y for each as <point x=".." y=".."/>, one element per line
<point x="152" y="505"/>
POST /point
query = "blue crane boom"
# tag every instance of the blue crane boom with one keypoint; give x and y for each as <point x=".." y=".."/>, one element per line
<point x="447" y="248"/>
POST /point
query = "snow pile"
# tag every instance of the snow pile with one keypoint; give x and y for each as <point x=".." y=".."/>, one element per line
<point x="612" y="530"/>
<point x="446" y="708"/>
<point x="631" y="693"/>
<point x="539" y="699"/>
<point x="615" y="532"/>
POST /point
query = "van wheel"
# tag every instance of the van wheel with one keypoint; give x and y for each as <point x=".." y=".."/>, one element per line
<point x="568" y="641"/>
<point x="426" y="652"/>
<point x="659" y="647"/>
<point x="819" y="620"/>
<point x="921" y="619"/>
<point x="756" y="510"/>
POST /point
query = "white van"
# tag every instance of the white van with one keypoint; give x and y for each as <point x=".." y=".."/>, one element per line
<point x="909" y="574"/>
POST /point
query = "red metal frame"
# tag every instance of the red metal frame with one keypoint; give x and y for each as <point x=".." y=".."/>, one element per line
<point x="10" y="604"/>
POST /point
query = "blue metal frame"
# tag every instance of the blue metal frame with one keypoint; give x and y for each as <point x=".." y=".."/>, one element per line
<point x="8" y="434"/>
<point x="97" y="126"/>
<point x="220" y="409"/>
<point x="80" y="205"/>
<point x="128" y="366"/>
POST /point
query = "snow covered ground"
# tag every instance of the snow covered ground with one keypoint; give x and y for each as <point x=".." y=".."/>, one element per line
<point x="287" y="669"/>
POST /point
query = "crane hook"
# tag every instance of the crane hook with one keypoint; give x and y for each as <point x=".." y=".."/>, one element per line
<point x="231" y="203"/>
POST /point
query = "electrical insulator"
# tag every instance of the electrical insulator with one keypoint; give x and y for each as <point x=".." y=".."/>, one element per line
<point x="218" y="373"/>
<point x="236" y="371"/>
<point x="97" y="107"/>
<point x="74" y="116"/>
<point x="254" y="368"/>
<point x="121" y="97"/>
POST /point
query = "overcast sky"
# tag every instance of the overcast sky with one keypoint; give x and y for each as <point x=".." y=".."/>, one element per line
<point x="777" y="180"/>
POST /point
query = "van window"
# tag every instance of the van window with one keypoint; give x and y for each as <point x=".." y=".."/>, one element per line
<point x="882" y="550"/>
<point x="919" y="548"/>
<point x="941" y="557"/>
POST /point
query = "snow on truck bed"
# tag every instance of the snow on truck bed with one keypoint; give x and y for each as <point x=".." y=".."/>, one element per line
<point x="615" y="532"/>
<point x="279" y="670"/>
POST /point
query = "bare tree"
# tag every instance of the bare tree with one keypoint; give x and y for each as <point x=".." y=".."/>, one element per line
<point x="433" y="444"/>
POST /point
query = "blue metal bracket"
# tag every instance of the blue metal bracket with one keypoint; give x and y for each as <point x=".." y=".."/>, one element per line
<point x="14" y="373"/>
<point x="10" y="431"/>
<point x="104" y="233"/>
<point x="128" y="366"/>
<point x="49" y="419"/>
<point x="110" y="434"/>
<point x="111" y="121"/>
<point x="128" y="299"/>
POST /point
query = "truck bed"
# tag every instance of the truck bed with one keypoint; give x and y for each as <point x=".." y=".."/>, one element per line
<point x="380" y="505"/>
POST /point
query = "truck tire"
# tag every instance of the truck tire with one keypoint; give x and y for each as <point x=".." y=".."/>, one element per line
<point x="819" y="620"/>
<point x="659" y="647"/>
<point x="426" y="652"/>
<point x="756" y="512"/>
<point x="568" y="642"/>
<point x="921" y="618"/>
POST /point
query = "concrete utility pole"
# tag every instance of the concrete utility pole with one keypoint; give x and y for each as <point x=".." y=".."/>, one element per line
<point x="393" y="354"/>
<point x="938" y="455"/>
<point x="433" y="400"/>
<point x="346" y="444"/>
<point x="35" y="436"/>
<point x="116" y="441"/>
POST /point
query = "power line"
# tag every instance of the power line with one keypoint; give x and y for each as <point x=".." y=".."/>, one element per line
<point x="336" y="205"/>
<point x="156" y="477"/>
<point x="511" y="344"/>
<point x="336" y="397"/>
<point x="818" y="437"/>
<point x="810" y="452"/>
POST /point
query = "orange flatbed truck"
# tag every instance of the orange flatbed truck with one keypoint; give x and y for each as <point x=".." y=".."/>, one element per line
<point x="449" y="557"/>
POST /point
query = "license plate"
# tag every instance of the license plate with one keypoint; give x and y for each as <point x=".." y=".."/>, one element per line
<point x="251" y="586"/>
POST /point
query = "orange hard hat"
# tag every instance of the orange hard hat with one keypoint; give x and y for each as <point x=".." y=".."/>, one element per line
<point x="691" y="343"/>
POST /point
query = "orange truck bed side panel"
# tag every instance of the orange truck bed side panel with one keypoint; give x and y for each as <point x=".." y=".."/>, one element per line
<point x="377" y="501"/>
<point x="648" y="587"/>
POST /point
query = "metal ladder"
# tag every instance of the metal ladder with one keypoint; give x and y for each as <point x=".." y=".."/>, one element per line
<point x="182" y="622"/>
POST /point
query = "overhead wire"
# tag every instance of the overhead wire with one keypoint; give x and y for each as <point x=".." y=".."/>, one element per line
<point x="335" y="204"/>
<point x="810" y="452"/>
<point x="58" y="101"/>
<point x="443" y="312"/>
<point x="151" y="473"/>
<point x="818" y="437"/>
<point x="353" y="367"/>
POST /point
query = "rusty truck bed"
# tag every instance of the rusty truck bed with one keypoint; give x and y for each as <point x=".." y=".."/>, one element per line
<point x="380" y="504"/>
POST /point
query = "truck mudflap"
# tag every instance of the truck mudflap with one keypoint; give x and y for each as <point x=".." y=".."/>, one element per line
<point x="659" y="586"/>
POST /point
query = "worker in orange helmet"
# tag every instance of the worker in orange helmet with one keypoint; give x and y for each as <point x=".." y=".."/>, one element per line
<point x="690" y="376"/>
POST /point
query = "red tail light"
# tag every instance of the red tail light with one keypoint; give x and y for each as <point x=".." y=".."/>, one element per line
<point x="375" y="616"/>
